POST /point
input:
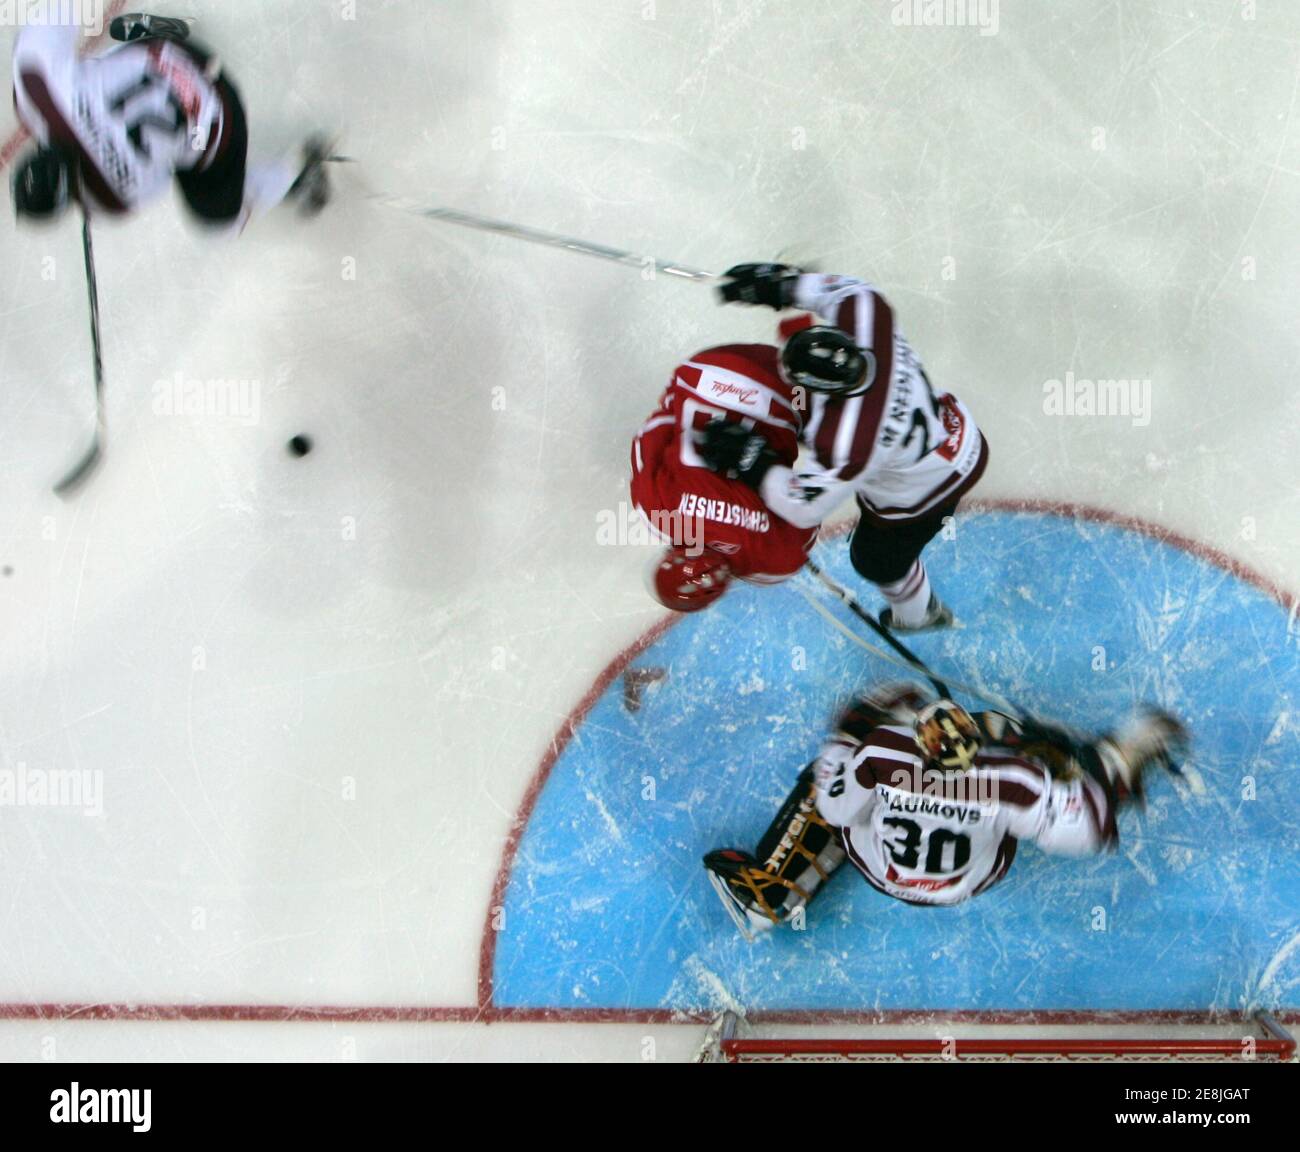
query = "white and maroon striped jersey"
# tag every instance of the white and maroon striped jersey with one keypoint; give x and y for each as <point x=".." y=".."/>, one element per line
<point x="134" y="116"/>
<point x="933" y="837"/>
<point x="902" y="448"/>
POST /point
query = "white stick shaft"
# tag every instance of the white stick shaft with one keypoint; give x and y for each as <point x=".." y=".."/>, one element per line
<point x="548" y="239"/>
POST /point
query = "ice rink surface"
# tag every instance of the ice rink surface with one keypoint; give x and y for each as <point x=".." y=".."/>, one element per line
<point x="313" y="695"/>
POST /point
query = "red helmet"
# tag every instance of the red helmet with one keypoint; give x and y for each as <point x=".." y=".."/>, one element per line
<point x="688" y="583"/>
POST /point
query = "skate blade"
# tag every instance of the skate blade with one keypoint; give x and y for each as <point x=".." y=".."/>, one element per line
<point x="733" y="909"/>
<point x="952" y="624"/>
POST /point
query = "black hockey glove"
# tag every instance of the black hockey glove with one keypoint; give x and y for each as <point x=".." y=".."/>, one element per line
<point x="133" y="26"/>
<point x="737" y="452"/>
<point x="1055" y="747"/>
<point x="771" y="285"/>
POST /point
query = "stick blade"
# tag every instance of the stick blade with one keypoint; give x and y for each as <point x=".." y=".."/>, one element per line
<point x="747" y="929"/>
<point x="81" y="471"/>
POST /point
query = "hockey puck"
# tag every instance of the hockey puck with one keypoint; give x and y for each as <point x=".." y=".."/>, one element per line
<point x="300" y="445"/>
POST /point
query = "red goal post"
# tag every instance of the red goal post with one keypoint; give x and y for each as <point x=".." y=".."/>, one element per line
<point x="1259" y="1039"/>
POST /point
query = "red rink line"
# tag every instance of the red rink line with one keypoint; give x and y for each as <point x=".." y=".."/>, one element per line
<point x="9" y="149"/>
<point x="560" y="741"/>
<point x="412" y="1014"/>
<point x="1087" y="512"/>
<point x="487" y="1012"/>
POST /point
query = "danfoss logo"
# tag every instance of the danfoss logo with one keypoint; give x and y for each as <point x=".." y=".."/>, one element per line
<point x="724" y="388"/>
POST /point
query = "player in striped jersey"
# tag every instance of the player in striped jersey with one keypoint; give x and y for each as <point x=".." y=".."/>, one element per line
<point x="928" y="802"/>
<point x="872" y="425"/>
<point x="113" y="131"/>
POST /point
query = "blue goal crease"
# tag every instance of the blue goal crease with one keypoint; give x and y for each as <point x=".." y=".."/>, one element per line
<point x="607" y="906"/>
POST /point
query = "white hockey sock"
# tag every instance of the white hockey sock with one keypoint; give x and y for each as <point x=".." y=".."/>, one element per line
<point x="909" y="597"/>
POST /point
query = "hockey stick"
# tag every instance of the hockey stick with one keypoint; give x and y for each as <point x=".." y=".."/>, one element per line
<point x="1057" y="734"/>
<point x="83" y="468"/>
<point x="911" y="660"/>
<point x="668" y="268"/>
<point x="851" y="602"/>
<point x="699" y="276"/>
<point x="547" y="239"/>
<point x="979" y="693"/>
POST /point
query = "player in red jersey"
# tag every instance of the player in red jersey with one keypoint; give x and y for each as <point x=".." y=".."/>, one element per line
<point x="717" y="527"/>
<point x="847" y="389"/>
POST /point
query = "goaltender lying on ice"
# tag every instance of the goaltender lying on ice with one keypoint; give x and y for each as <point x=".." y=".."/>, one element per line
<point x="928" y="802"/>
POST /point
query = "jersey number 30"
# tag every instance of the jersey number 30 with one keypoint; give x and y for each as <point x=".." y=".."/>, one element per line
<point x="905" y="850"/>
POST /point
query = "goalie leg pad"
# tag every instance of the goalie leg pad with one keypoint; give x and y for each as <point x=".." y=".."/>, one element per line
<point x="796" y="856"/>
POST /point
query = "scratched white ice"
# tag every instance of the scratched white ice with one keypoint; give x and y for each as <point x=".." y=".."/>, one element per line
<point x="317" y="689"/>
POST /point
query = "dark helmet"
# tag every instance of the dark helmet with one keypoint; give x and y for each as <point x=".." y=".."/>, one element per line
<point x="42" y="184"/>
<point x="824" y="359"/>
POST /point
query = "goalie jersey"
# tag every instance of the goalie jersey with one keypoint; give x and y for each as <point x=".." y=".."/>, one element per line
<point x="930" y="836"/>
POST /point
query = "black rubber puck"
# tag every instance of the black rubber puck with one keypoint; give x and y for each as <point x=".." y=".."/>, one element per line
<point x="300" y="445"/>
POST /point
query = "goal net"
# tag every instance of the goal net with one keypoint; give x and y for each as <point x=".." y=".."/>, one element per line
<point x="1259" y="1039"/>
